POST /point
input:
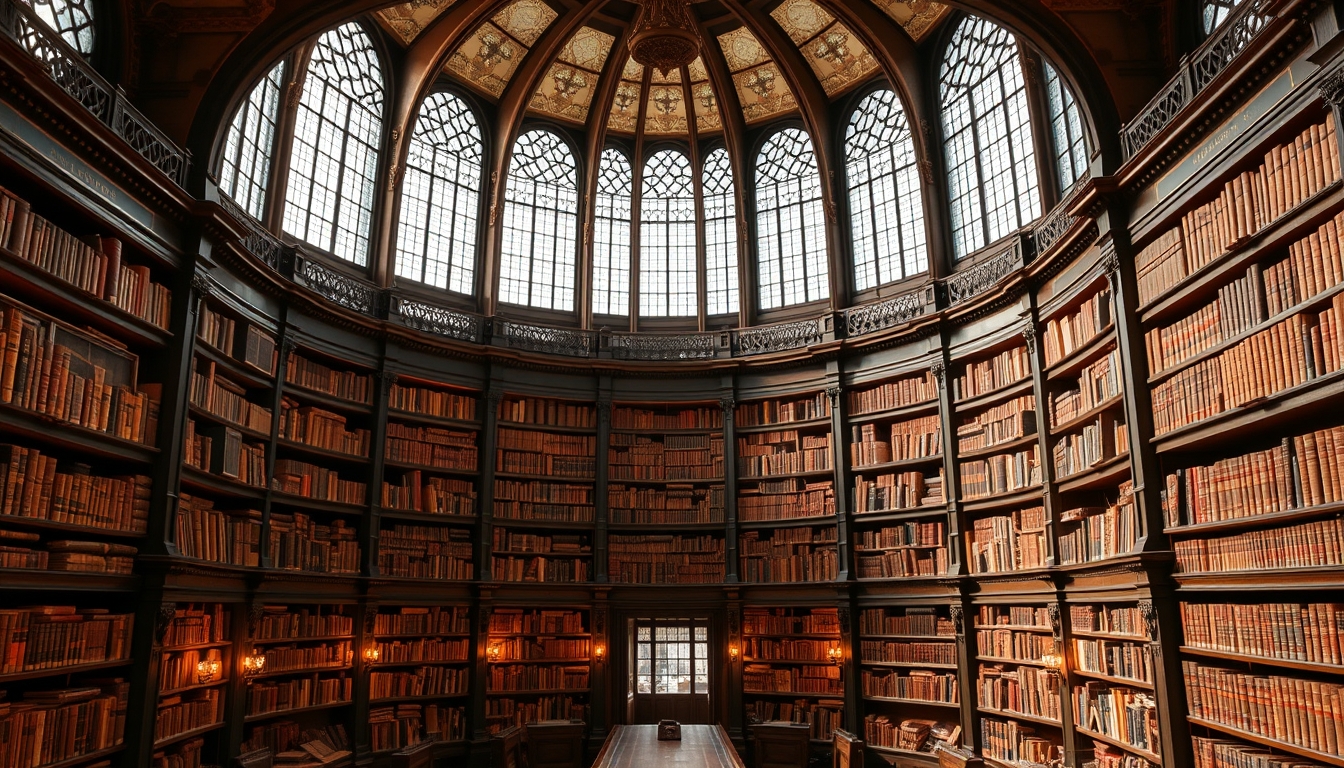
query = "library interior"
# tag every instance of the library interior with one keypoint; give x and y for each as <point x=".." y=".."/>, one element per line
<point x="709" y="383"/>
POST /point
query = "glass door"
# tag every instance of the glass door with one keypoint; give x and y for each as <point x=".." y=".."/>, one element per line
<point x="671" y="670"/>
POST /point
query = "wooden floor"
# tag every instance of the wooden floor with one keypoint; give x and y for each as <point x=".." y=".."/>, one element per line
<point x="637" y="746"/>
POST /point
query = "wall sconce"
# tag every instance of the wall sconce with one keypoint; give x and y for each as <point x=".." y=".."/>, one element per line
<point x="599" y="652"/>
<point x="835" y="655"/>
<point x="733" y="653"/>
<point x="206" y="669"/>
<point x="493" y="653"/>
<point x="1053" y="661"/>
<point x="254" y="663"/>
<point x="372" y="654"/>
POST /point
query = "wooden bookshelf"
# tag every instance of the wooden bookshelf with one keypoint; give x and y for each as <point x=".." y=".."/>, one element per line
<point x="538" y="666"/>
<point x="787" y="673"/>
<point x="1019" y="684"/>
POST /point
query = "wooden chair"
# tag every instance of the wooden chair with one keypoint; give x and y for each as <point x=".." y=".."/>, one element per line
<point x="419" y="756"/>
<point x="261" y="758"/>
<point x="781" y="745"/>
<point x="848" y="750"/>
<point x="506" y="748"/>
<point x="555" y="744"/>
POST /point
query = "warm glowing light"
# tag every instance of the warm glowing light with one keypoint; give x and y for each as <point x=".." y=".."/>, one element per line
<point x="1053" y="661"/>
<point x="835" y="654"/>
<point x="206" y="669"/>
<point x="732" y="652"/>
<point x="253" y="663"/>
<point x="372" y="654"/>
<point x="493" y="653"/>
<point x="600" y="652"/>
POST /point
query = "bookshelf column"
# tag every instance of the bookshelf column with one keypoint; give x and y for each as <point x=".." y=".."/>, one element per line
<point x="730" y="575"/>
<point x="367" y="611"/>
<point x="480" y="642"/>
<point x="287" y="346"/>
<point x="966" y="693"/>
<point x="956" y="516"/>
<point x="601" y="499"/>
<point x="842" y="480"/>
<point x="383" y="383"/>
<point x="489" y="441"/>
<point x="1048" y="489"/>
<point x="734" y="676"/>
<point x="600" y="697"/>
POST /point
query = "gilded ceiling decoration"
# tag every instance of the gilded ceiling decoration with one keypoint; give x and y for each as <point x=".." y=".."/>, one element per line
<point x="831" y="49"/>
<point x="760" y="85"/>
<point x="917" y="17"/>
<point x="666" y="112"/>
<point x="703" y="100"/>
<point x="490" y="55"/>
<point x="408" y="20"/>
<point x="625" y="104"/>
<point x="567" y="90"/>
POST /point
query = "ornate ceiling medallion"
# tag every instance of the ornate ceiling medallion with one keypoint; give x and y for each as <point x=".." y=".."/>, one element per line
<point x="665" y="37"/>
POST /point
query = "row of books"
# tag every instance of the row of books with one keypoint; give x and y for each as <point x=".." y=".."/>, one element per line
<point x="1003" y="473"/>
<point x="1291" y="710"/>
<point x="978" y="378"/>
<point x="405" y="725"/>
<point x="919" y="685"/>
<point x="420" y="681"/>
<point x="422" y="620"/>
<point x="1002" y="423"/>
<point x="297" y="542"/>
<point x="1019" y="645"/>
<point x="788" y="621"/>
<point x="890" y="651"/>
<point x="1116" y="658"/>
<point x="905" y="621"/>
<point x="50" y="637"/>
<point x="543" y="622"/>
<point x="305" y="372"/>
<point x="1100" y="381"/>
<point x="39" y="487"/>
<point x="1026" y="690"/>
<point x="1109" y="619"/>
<point x="789" y="555"/>
<point x="224" y="399"/>
<point x="1290" y="174"/>
<point x="506" y="540"/>
<point x="279" y="622"/>
<point x="416" y="492"/>
<point x="1069" y="332"/>
<point x="299" y="478"/>
<point x="431" y="402"/>
<point x="902" y="535"/>
<point x="665" y="559"/>
<point x="64" y="555"/>
<point x="526" y="648"/>
<point x="781" y="411"/>
<point x="220" y="536"/>
<point x="94" y="264"/>
<point x="788" y="499"/>
<point x="425" y="552"/>
<point x="54" y="726"/>
<point x="421" y="649"/>
<point x="1096" y="443"/>
<point x="819" y="679"/>
<point x="1012" y="616"/>
<point x="821" y="716"/>
<point x="219" y="331"/>
<point x="1306" y="545"/>
<point x="897" y="491"/>
<point x="1314" y="264"/>
<point x="1223" y="753"/>
<point x="178" y="669"/>
<point x="675" y="457"/>
<point x="1236" y="309"/>
<point x="782" y="453"/>
<point x="336" y="654"/>
<point x="913" y="439"/>
<point x="266" y="697"/>
<point x="431" y="447"/>
<point x="197" y="624"/>
<point x="911" y="735"/>
<point x="786" y="649"/>
<point x="282" y="736"/>
<point x="1012" y="542"/>
<point x="502" y="712"/>
<point x="673" y="504"/>
<point x="893" y="394"/>
<point x="1101" y="532"/>
<point x="320" y="428"/>
<point x="536" y="677"/>
<point x="551" y="413"/>
<point x="550" y="569"/>
<point x="69" y="376"/>
<point x="1123" y="714"/>
<point x="647" y="419"/>
<point x="1285" y="631"/>
<point x="1014" y="743"/>
<point x="188" y="711"/>
<point x="903" y="563"/>
<point x="222" y="451"/>
<point x="574" y="466"/>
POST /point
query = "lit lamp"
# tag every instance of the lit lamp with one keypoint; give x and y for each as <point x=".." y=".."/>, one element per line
<point x="835" y="654"/>
<point x="732" y="653"/>
<point x="493" y="653"/>
<point x="254" y="663"/>
<point x="1053" y="661"/>
<point x="599" y="652"/>
<point x="372" y="654"/>
<point x="206" y="669"/>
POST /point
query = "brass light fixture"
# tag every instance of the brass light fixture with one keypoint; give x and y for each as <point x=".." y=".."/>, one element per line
<point x="600" y="652"/>
<point x="665" y="36"/>
<point x="835" y="654"/>
<point x="372" y="654"/>
<point x="254" y="663"/>
<point x="733" y="653"/>
<point x="206" y="669"/>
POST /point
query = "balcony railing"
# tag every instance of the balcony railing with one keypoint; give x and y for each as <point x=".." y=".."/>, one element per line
<point x="109" y="104"/>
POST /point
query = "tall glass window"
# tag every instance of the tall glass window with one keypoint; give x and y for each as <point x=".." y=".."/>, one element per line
<point x="245" y="168"/>
<point x="73" y="19"/>
<point x="611" y="235"/>
<point x="992" y="184"/>
<point x="720" y="234"/>
<point x="540" y="218"/>
<point x="337" y="132"/>
<point x="886" y="211"/>
<point x="667" y="273"/>
<point x="790" y="225"/>
<point x="1215" y="12"/>
<point x="1066" y="128"/>
<point x="440" y="198"/>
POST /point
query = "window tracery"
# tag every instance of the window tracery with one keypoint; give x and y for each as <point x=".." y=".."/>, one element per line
<point x="1066" y="125"/>
<point x="991" y="163"/>
<point x="244" y="172"/>
<point x="611" y="235"/>
<point x="440" y="198"/>
<point x="667" y="252"/>
<point x="337" y="135"/>
<point x="540" y="220"/>
<point x="886" y="210"/>
<point x="73" y="19"/>
<point x="790" y="224"/>
<point x="1214" y="12"/>
<point x="721" y="286"/>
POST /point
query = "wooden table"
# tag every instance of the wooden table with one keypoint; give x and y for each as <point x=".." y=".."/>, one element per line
<point x="637" y="746"/>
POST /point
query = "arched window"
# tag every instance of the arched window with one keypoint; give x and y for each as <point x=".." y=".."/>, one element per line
<point x="667" y="273"/>
<point x="245" y="167"/>
<point x="73" y="19"/>
<point x="1066" y="125"/>
<point x="540" y="218"/>
<point x="440" y="197"/>
<point x="790" y="226"/>
<point x="720" y="234"/>
<point x="991" y="162"/>
<point x="337" y="131"/>
<point x="611" y="235"/>
<point x="886" y="212"/>
<point x="1215" y="12"/>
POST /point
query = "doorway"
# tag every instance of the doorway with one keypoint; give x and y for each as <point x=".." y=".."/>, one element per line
<point x="669" y="676"/>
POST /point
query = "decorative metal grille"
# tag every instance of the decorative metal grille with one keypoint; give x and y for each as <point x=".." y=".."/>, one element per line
<point x="346" y="291"/>
<point x="148" y="141"/>
<point x="258" y="241"/>
<point x="777" y="338"/>
<point x="887" y="313"/>
<point x="651" y="346"/>
<point x="1056" y="223"/>
<point x="983" y="276"/>
<point x="440" y="321"/>
<point x="539" y="338"/>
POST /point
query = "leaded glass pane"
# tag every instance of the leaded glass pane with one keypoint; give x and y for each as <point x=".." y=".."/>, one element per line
<point x="886" y="210"/>
<point x="611" y="235"/>
<point x="1215" y="12"/>
<point x="73" y="19"/>
<point x="337" y="133"/>
<point x="789" y="222"/>
<point x="1066" y="128"/>
<point x="436" y="233"/>
<point x="992" y="184"/>
<point x="720" y="234"/>
<point x="667" y="257"/>
<point x="540" y="221"/>
<point x="245" y="167"/>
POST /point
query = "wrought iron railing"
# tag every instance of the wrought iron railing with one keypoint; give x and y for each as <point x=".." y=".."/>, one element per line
<point x="351" y="293"/>
<point x="440" y="321"/>
<point x="568" y="342"/>
<point x="889" y="313"/>
<point x="665" y="346"/>
<point x="73" y="74"/>
<point x="969" y="283"/>
<point x="1058" y="221"/>
<point x="781" y="337"/>
<point x="1196" y="72"/>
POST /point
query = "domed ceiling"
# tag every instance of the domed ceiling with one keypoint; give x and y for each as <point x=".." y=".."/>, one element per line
<point x="665" y="105"/>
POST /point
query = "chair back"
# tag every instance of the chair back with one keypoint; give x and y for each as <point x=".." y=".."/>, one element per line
<point x="848" y="752"/>
<point x="781" y="745"/>
<point x="555" y="744"/>
<point x="506" y="748"/>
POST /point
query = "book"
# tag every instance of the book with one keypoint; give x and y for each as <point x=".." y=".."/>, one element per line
<point x="40" y="487"/>
<point x="1004" y="543"/>
<point x="982" y="377"/>
<point x="1071" y="331"/>
<point x="1004" y="473"/>
<point x="309" y="374"/>
<point x="893" y="394"/>
<point x="429" y="401"/>
<point x="425" y="552"/>
<point x="788" y="555"/>
<point x="665" y="559"/>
